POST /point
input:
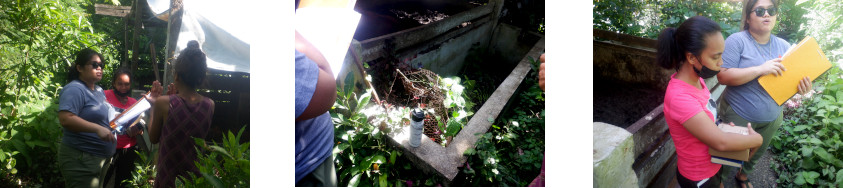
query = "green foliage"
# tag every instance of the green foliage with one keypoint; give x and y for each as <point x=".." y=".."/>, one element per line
<point x="511" y="153"/>
<point x="523" y="14"/>
<point x="480" y="80"/>
<point x="37" y="42"/>
<point x="144" y="172"/>
<point x="459" y="109"/>
<point x="37" y="142"/>
<point x="822" y="21"/>
<point x="791" y="21"/>
<point x="810" y="138"/>
<point x="649" y="17"/>
<point x="225" y="165"/>
<point x="361" y="155"/>
<point x="618" y="15"/>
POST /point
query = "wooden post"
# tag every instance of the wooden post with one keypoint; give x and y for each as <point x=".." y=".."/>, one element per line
<point x="137" y="28"/>
<point x="173" y="27"/>
<point x="118" y="11"/>
<point x="125" y="52"/>
<point x="154" y="60"/>
<point x="363" y="74"/>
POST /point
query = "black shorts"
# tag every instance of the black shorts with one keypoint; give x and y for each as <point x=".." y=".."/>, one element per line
<point x="713" y="181"/>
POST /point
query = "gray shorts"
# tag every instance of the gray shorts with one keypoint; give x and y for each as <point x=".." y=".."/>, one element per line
<point x="81" y="169"/>
<point x="323" y="176"/>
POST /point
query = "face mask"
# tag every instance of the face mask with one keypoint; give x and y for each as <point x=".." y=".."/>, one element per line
<point x="705" y="73"/>
<point x="120" y="94"/>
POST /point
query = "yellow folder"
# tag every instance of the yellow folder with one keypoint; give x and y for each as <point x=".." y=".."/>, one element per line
<point x="803" y="59"/>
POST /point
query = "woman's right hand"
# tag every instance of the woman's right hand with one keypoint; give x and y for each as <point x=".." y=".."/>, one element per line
<point x="105" y="134"/>
<point x="755" y="136"/>
<point x="773" y="66"/>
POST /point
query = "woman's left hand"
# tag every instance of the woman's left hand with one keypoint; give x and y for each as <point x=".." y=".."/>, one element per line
<point x="804" y="86"/>
<point x="155" y="92"/>
<point x="134" y="131"/>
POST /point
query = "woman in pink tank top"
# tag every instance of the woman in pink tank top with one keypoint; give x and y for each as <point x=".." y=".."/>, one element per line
<point x="694" y="51"/>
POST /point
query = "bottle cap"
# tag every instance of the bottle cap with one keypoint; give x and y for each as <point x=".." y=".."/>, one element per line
<point x="417" y="114"/>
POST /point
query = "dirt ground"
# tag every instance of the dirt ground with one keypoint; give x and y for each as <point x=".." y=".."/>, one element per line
<point x="622" y="104"/>
<point x="764" y="176"/>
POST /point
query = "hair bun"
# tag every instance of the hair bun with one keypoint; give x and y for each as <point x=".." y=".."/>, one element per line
<point x="193" y="44"/>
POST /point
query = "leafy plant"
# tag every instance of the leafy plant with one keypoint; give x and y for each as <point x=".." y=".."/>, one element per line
<point x="648" y="18"/>
<point x="822" y="20"/>
<point x="37" y="42"/>
<point x="459" y="109"/>
<point x="225" y="165"/>
<point x="360" y="153"/>
<point x="810" y="139"/>
<point x="807" y="148"/>
<point x="144" y="173"/>
<point x="511" y="153"/>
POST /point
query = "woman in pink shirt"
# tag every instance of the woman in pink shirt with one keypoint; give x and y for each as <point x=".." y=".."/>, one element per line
<point x="694" y="51"/>
<point x="124" y="159"/>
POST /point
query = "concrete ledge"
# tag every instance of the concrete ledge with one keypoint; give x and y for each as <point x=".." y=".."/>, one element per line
<point x="613" y="157"/>
<point x="430" y="157"/>
<point x="376" y="47"/>
<point x="492" y="108"/>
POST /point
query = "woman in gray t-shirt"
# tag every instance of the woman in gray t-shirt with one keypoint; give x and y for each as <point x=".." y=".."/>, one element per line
<point x="87" y="142"/>
<point x="749" y="54"/>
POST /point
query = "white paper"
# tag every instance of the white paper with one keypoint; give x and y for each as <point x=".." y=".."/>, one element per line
<point x="131" y="114"/>
<point x="330" y="30"/>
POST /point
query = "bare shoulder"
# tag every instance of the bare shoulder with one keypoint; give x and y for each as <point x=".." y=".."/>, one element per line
<point x="162" y="102"/>
<point x="163" y="98"/>
<point x="211" y="101"/>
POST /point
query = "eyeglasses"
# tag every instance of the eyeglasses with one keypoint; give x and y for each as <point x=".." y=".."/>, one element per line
<point x="761" y="10"/>
<point x="95" y="65"/>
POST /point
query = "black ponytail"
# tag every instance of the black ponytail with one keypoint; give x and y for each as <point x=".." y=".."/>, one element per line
<point x="666" y="55"/>
<point x="689" y="37"/>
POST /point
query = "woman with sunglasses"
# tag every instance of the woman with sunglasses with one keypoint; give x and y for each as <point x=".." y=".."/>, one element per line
<point x="749" y="54"/>
<point x="87" y="143"/>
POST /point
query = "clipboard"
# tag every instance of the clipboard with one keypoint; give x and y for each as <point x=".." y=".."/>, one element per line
<point x="803" y="59"/>
<point x="129" y="116"/>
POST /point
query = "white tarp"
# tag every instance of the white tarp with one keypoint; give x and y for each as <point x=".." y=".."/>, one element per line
<point x="219" y="26"/>
<point x="330" y="30"/>
<point x="158" y="6"/>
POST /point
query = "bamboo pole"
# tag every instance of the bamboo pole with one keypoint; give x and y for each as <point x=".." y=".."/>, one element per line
<point x="363" y="73"/>
<point x="154" y="60"/>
